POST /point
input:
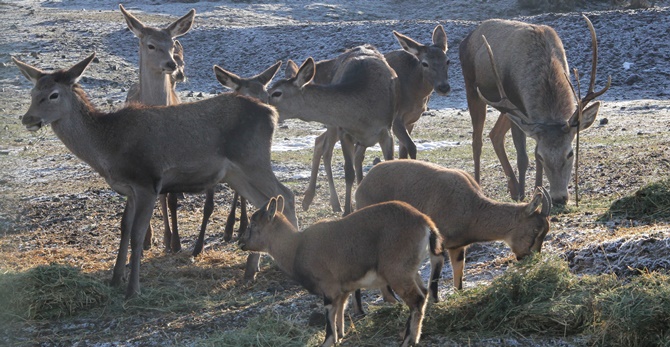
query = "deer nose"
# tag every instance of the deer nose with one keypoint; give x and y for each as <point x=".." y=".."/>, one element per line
<point x="171" y="65"/>
<point x="559" y="200"/>
<point x="444" y="88"/>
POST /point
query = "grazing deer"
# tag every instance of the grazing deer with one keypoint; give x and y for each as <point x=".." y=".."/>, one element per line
<point x="360" y="101"/>
<point x="256" y="87"/>
<point x="159" y="72"/>
<point x="535" y="95"/>
<point x="381" y="245"/>
<point x="420" y="69"/>
<point x="459" y="208"/>
<point x="226" y="138"/>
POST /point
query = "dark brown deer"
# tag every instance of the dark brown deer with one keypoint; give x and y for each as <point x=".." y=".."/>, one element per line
<point x="227" y="138"/>
<point x="535" y="98"/>
<point x="159" y="71"/>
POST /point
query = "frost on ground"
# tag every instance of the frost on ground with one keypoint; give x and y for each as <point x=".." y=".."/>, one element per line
<point x="52" y="201"/>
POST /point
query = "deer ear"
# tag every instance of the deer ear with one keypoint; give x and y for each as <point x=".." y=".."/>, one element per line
<point x="32" y="73"/>
<point x="291" y="69"/>
<point x="306" y="73"/>
<point x="280" y="203"/>
<point x="134" y="24"/>
<point x="534" y="204"/>
<point x="266" y="76"/>
<point x="440" y="38"/>
<point x="589" y="115"/>
<point x="226" y="78"/>
<point x="271" y="209"/>
<point x="74" y="73"/>
<point x="182" y="25"/>
<point x="408" y="44"/>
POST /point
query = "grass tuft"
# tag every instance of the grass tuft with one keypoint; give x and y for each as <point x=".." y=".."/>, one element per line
<point x="650" y="202"/>
<point x="48" y="292"/>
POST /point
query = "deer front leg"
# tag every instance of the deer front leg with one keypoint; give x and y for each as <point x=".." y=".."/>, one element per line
<point x="144" y="201"/>
<point x="167" y="233"/>
<point x="497" y="135"/>
<point x="230" y="221"/>
<point x="175" y="242"/>
<point x="206" y="213"/>
<point x="457" y="258"/>
<point x="319" y="143"/>
<point x="407" y="145"/>
<point x="519" y="138"/>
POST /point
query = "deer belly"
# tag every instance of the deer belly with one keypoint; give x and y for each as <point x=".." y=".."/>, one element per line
<point x="192" y="180"/>
<point x="371" y="279"/>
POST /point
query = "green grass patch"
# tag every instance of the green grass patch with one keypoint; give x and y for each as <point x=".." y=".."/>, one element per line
<point x="49" y="292"/>
<point x="268" y="329"/>
<point x="650" y="202"/>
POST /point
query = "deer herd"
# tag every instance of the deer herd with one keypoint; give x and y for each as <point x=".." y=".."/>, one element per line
<point x="407" y="210"/>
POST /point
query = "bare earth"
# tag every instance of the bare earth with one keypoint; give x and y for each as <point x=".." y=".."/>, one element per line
<point x="54" y="208"/>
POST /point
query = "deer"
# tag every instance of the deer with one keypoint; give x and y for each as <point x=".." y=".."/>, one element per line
<point x="159" y="72"/>
<point x="531" y="68"/>
<point x="226" y="138"/>
<point x="360" y="101"/>
<point x="380" y="245"/>
<point x="256" y="87"/>
<point x="464" y="215"/>
<point x="421" y="69"/>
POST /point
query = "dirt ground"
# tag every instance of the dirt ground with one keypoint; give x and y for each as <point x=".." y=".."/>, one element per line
<point x="54" y="208"/>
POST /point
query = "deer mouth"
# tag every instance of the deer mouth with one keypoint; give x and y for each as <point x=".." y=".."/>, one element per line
<point x="34" y="126"/>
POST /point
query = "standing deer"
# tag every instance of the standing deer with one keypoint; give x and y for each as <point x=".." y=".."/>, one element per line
<point x="159" y="72"/>
<point x="420" y="69"/>
<point x="226" y="138"/>
<point x="459" y="208"/>
<point x="535" y="95"/>
<point x="256" y="87"/>
<point x="360" y="101"/>
<point x="378" y="246"/>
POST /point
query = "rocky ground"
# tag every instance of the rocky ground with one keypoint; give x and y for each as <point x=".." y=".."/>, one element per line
<point x="51" y="201"/>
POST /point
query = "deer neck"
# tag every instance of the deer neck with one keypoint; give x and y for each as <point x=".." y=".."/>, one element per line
<point x="77" y="131"/>
<point x="283" y="246"/>
<point x="155" y="88"/>
<point x="495" y="220"/>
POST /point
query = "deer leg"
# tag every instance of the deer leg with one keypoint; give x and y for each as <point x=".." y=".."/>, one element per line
<point x="167" y="233"/>
<point x="319" y="144"/>
<point x="407" y="145"/>
<point x="477" y="108"/>
<point x="414" y="294"/>
<point x="359" y="156"/>
<point x="349" y="174"/>
<point x="331" y="327"/>
<point x="206" y="213"/>
<point x="538" y="170"/>
<point x="457" y="259"/>
<point x="230" y="221"/>
<point x="244" y="219"/>
<point x="519" y="138"/>
<point x="143" y="206"/>
<point x="175" y="242"/>
<point x="328" y="167"/>
<point x="148" y="238"/>
<point x="122" y="255"/>
<point x="497" y="135"/>
<point x="339" y="314"/>
<point x="436" y="265"/>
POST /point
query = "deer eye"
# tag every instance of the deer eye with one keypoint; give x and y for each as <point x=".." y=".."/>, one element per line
<point x="424" y="64"/>
<point x="53" y="96"/>
<point x="276" y="94"/>
<point x="151" y="47"/>
<point x="572" y="153"/>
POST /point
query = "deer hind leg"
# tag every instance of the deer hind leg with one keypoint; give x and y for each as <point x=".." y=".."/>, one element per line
<point x="414" y="293"/>
<point x="519" y="138"/>
<point x="175" y="242"/>
<point x="436" y="265"/>
<point x="457" y="259"/>
<point x="230" y="221"/>
<point x="167" y="233"/>
<point x="349" y="174"/>
<point x="319" y="143"/>
<point x="477" y="108"/>
<point x="331" y="326"/>
<point x="206" y="213"/>
<point x="328" y="167"/>
<point x="497" y="136"/>
<point x="148" y="238"/>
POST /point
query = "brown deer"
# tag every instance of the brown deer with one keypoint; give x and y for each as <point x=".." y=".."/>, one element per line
<point x="378" y="246"/>
<point x="256" y="87"/>
<point x="535" y="95"/>
<point x="459" y="208"/>
<point x="360" y="101"/>
<point x="420" y="69"/>
<point x="159" y="71"/>
<point x="227" y="138"/>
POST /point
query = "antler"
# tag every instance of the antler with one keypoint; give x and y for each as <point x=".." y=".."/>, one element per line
<point x="505" y="104"/>
<point x="590" y="95"/>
